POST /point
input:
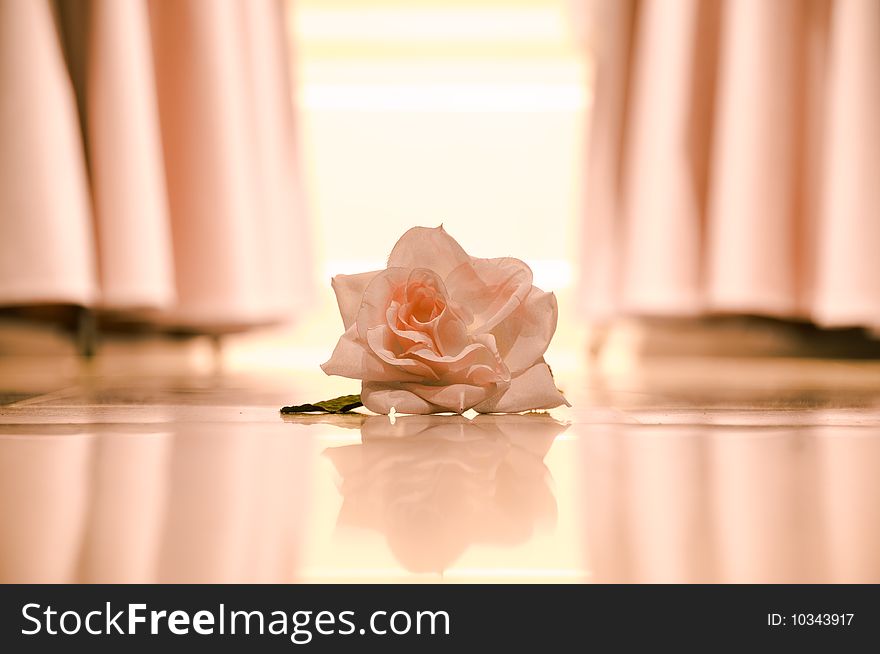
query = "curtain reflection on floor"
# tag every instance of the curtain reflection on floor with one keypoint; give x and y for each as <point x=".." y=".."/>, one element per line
<point x="186" y="504"/>
<point x="730" y="504"/>
<point x="615" y="502"/>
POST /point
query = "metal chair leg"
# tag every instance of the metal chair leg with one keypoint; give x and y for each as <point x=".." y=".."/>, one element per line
<point x="86" y="332"/>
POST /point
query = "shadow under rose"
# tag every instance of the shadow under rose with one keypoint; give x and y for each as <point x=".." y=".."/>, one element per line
<point x="434" y="485"/>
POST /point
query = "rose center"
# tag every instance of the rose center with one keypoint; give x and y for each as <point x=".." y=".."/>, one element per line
<point x="424" y="305"/>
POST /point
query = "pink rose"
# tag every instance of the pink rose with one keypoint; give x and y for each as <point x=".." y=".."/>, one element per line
<point x="441" y="331"/>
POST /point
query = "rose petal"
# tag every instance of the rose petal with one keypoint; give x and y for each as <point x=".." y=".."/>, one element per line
<point x="349" y="291"/>
<point x="534" y="389"/>
<point x="474" y="364"/>
<point x="385" y="287"/>
<point x="383" y="344"/>
<point x="428" y="247"/>
<point x="381" y="398"/>
<point x="491" y="289"/>
<point x="523" y="337"/>
<point x="457" y="398"/>
<point x="447" y="331"/>
<point x="408" y="337"/>
<point x="351" y="359"/>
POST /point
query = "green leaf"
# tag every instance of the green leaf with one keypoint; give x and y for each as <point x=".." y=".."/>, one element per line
<point x="342" y="404"/>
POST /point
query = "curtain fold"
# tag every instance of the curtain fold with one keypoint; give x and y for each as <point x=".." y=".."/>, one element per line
<point x="128" y="172"/>
<point x="46" y="243"/>
<point x="152" y="160"/>
<point x="733" y="161"/>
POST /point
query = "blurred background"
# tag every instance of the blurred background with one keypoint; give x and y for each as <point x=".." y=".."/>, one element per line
<point x="696" y="180"/>
<point x="688" y="176"/>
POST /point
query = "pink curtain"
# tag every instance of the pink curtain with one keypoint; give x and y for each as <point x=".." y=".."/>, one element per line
<point x="149" y="160"/>
<point x="734" y="162"/>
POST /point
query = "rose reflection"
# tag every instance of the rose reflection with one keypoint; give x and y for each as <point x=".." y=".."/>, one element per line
<point x="434" y="485"/>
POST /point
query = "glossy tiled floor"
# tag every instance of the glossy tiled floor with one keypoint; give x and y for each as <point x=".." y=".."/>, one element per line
<point x="679" y="470"/>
